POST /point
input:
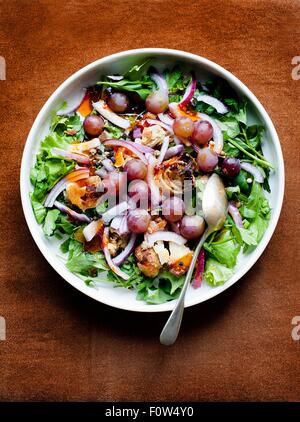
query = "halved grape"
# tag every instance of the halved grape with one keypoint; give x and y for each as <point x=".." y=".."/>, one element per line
<point x="157" y="102"/>
<point x="203" y="132"/>
<point x="192" y="226"/>
<point x="118" y="102"/>
<point x="135" y="169"/>
<point x="183" y="127"/>
<point x="93" y="125"/>
<point x="138" y="220"/>
<point x="173" y="209"/>
<point x="207" y="159"/>
<point x="231" y="166"/>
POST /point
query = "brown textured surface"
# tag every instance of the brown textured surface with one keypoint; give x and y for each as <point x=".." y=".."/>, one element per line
<point x="63" y="346"/>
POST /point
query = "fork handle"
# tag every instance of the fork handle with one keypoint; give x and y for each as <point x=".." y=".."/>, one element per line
<point x="171" y="329"/>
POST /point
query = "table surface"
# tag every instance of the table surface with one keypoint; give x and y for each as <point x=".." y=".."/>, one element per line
<point x="62" y="345"/>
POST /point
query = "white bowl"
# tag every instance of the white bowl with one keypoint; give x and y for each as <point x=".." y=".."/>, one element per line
<point x="118" y="63"/>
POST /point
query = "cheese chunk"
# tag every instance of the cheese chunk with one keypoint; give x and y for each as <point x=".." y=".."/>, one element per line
<point x="162" y="252"/>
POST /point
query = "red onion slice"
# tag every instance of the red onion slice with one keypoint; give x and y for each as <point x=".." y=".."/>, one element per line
<point x="108" y="258"/>
<point x="116" y="221"/>
<point x="142" y="148"/>
<point x="159" y="123"/>
<point x="165" y="236"/>
<point x="196" y="283"/>
<point x="189" y="93"/>
<point x="214" y="102"/>
<point x="74" y="176"/>
<point x="119" y="259"/>
<point x="137" y="132"/>
<point x="217" y="133"/>
<point x="160" y="81"/>
<point x="118" y="209"/>
<point x="92" y="229"/>
<point x="166" y="119"/>
<point x="73" y="104"/>
<point x="82" y="159"/>
<point x="235" y="214"/>
<point x="154" y="189"/>
<point x="177" y="140"/>
<point x="256" y="173"/>
<point x="195" y="147"/>
<point x="174" y="110"/>
<point x="101" y="172"/>
<point x="108" y="114"/>
<point x="73" y="214"/>
<point x="171" y="152"/>
<point x="126" y="144"/>
<point x="163" y="149"/>
<point x="115" y="77"/>
<point x="123" y="229"/>
<point x="108" y="165"/>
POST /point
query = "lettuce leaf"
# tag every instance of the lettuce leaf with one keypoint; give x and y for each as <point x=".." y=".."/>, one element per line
<point x="216" y="273"/>
<point x="46" y="173"/>
<point x="50" y="222"/>
<point x="39" y="210"/>
<point x="80" y="262"/>
<point x="48" y="169"/>
<point x="256" y="212"/>
<point x="60" y="125"/>
<point x="224" y="248"/>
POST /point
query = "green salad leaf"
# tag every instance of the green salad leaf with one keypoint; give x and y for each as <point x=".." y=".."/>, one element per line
<point x="48" y="169"/>
<point x="216" y="273"/>
<point x="142" y="87"/>
<point x="257" y="211"/>
<point x="81" y="262"/>
<point x="39" y="210"/>
<point x="46" y="173"/>
<point x="50" y="222"/>
<point x="177" y="82"/>
<point x="160" y="289"/>
<point x="224" y="248"/>
<point x="136" y="71"/>
<point x="114" y="131"/>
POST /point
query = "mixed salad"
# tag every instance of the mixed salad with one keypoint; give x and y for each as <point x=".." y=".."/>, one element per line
<point x="119" y="179"/>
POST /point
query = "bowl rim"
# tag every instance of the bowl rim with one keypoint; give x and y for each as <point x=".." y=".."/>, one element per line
<point x="179" y="54"/>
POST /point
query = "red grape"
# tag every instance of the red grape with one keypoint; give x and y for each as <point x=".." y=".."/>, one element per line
<point x="118" y="102"/>
<point x="135" y="169"/>
<point x="139" y="190"/>
<point x="231" y="166"/>
<point x="157" y="102"/>
<point x="203" y="132"/>
<point x="93" y="125"/>
<point x="207" y="159"/>
<point x="192" y="226"/>
<point x="183" y="127"/>
<point x="138" y="220"/>
<point x="173" y="209"/>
